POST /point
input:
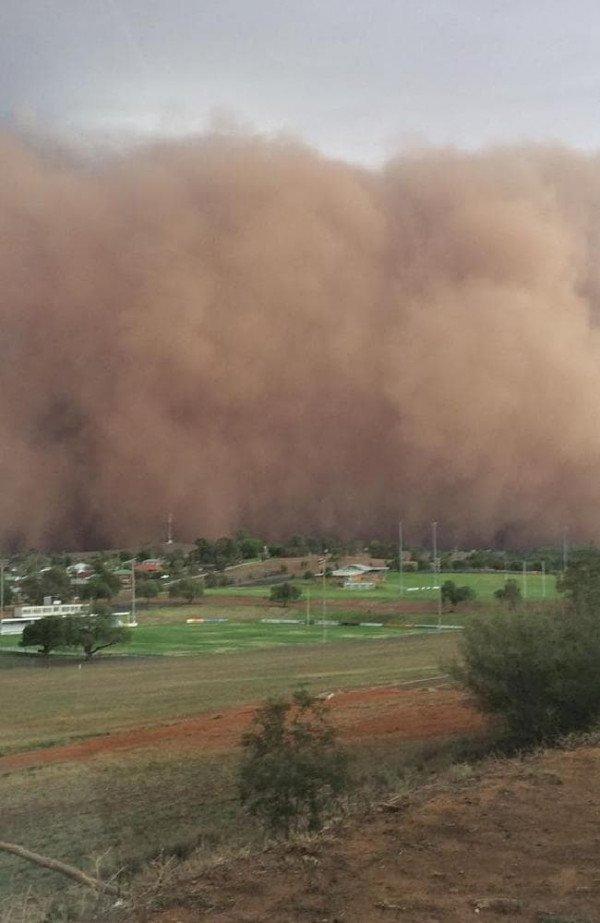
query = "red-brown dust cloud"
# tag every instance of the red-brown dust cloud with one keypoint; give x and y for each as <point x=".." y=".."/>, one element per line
<point x="244" y="333"/>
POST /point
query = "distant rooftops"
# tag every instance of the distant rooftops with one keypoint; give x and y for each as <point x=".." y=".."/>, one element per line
<point x="356" y="570"/>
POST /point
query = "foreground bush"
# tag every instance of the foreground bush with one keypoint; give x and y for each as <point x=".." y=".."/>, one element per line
<point x="538" y="671"/>
<point x="292" y="770"/>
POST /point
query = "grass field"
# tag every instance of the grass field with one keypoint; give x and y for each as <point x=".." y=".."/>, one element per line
<point x="44" y="705"/>
<point x="126" y="808"/>
<point x="415" y="587"/>
<point x="174" y="637"/>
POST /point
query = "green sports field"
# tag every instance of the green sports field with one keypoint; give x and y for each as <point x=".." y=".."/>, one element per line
<point x="180" y="638"/>
<point x="416" y="586"/>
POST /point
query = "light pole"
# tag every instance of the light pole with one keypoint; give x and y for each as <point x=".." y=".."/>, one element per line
<point x="2" y="566"/>
<point x="434" y="526"/>
<point x="323" y="602"/>
<point x="400" y="557"/>
<point x="524" y="579"/>
<point x="133" y="618"/>
<point x="543" y="579"/>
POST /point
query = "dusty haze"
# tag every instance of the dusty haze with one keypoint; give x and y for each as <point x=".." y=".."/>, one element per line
<point x="244" y="333"/>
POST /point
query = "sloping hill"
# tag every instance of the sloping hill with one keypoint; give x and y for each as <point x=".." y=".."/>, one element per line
<point x="505" y="840"/>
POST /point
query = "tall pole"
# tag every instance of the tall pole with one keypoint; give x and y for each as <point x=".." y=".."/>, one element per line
<point x="323" y="603"/>
<point x="564" y="551"/>
<point x="434" y="526"/>
<point x="544" y="579"/>
<point x="133" y="619"/>
<point x="401" y="558"/>
<point x="307" y="606"/>
<point x="2" y="564"/>
<point x="524" y="579"/>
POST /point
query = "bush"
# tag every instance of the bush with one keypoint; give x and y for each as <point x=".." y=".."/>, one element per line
<point x="292" y="770"/>
<point x="509" y="594"/>
<point x="285" y="593"/>
<point x="308" y="575"/>
<point x="538" y="671"/>
<point x="213" y="580"/>
<point x="188" y="588"/>
<point x="452" y="595"/>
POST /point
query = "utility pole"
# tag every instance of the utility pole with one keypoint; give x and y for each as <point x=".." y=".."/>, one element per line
<point x="524" y="579"/>
<point x="307" y="606"/>
<point x="323" y="602"/>
<point x="2" y="566"/>
<point x="543" y="579"/>
<point x="434" y="526"/>
<point x="401" y="558"/>
<point x="133" y="618"/>
<point x="564" y="551"/>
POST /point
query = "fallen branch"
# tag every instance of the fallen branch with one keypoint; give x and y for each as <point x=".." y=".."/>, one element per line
<point x="62" y="868"/>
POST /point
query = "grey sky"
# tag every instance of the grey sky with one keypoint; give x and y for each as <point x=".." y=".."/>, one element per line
<point x="357" y="78"/>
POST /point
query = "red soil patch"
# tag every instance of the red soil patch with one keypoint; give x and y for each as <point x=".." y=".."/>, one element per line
<point x="406" y="714"/>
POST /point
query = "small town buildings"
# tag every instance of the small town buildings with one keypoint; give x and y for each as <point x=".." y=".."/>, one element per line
<point x="360" y="575"/>
<point x="151" y="566"/>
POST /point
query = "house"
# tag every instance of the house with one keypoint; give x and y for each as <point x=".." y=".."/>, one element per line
<point x="81" y="569"/>
<point x="150" y="566"/>
<point x="359" y="575"/>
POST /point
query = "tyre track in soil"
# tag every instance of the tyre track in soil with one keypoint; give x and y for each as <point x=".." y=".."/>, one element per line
<point x="419" y="710"/>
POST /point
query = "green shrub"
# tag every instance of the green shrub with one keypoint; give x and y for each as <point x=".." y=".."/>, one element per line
<point x="188" y="588"/>
<point x="285" y="593"/>
<point x="292" y="769"/>
<point x="452" y="595"/>
<point x="538" y="671"/>
<point x="509" y="594"/>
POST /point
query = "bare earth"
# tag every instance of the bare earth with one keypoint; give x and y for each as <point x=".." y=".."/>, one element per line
<point x="516" y="840"/>
<point x="406" y="714"/>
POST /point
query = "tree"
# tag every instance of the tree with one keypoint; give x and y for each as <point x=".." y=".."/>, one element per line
<point x="8" y="594"/>
<point x="48" y="634"/>
<point x="204" y="551"/>
<point x="95" y="632"/>
<point x="581" y="581"/>
<point x="292" y="770"/>
<point x="147" y="589"/>
<point x="452" y="595"/>
<point x="509" y="594"/>
<point x="284" y="593"/>
<point x="97" y="587"/>
<point x="188" y="589"/>
<point x="57" y="583"/>
<point x="53" y="582"/>
<point x="538" y="670"/>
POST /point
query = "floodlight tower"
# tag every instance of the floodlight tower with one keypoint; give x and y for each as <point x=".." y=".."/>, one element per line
<point x="436" y="570"/>
<point x="401" y="558"/>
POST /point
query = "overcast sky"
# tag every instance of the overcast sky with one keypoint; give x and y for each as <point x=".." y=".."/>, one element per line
<point x="357" y="78"/>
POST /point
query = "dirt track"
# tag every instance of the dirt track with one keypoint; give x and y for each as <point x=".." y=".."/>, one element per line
<point x="406" y="714"/>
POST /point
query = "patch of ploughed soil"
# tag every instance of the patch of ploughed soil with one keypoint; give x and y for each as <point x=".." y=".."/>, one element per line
<point x="404" y="713"/>
<point x="513" y="840"/>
